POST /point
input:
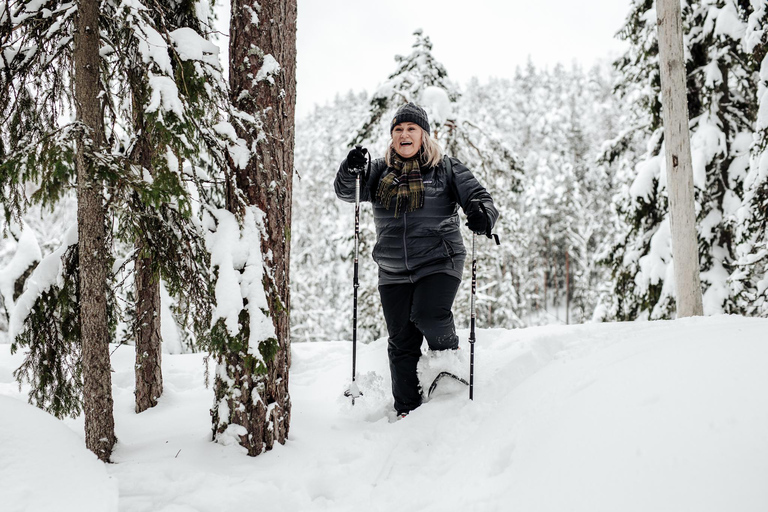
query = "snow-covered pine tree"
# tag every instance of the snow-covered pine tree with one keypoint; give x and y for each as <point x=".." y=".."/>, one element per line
<point x="13" y="275"/>
<point x="721" y="104"/>
<point x="181" y="109"/>
<point x="750" y="278"/>
<point x="250" y="241"/>
<point x="414" y="73"/>
<point x="168" y="94"/>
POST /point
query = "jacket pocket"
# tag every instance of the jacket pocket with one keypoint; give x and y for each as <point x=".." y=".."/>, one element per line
<point x="449" y="252"/>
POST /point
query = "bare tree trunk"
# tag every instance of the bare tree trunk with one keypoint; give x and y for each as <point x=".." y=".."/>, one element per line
<point x="263" y="83"/>
<point x="149" y="376"/>
<point x="91" y="219"/>
<point x="685" y="247"/>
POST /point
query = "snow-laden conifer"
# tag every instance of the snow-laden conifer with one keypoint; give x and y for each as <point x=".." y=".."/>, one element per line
<point x="750" y="277"/>
<point x="250" y="338"/>
<point x="721" y="107"/>
<point x="163" y="101"/>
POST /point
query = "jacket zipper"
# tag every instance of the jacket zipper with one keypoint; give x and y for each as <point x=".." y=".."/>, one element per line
<point x="405" y="246"/>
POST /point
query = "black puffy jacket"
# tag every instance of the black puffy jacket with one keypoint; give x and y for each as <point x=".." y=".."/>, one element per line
<point x="425" y="241"/>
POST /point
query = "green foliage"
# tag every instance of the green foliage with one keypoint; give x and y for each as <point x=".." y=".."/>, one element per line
<point x="722" y="106"/>
<point x="221" y="344"/>
<point x="148" y="162"/>
<point x="52" y="365"/>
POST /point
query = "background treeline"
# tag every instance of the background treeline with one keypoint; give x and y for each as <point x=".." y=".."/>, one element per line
<point x="574" y="160"/>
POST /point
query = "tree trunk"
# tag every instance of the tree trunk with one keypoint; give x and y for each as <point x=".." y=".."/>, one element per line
<point x="685" y="247"/>
<point x="567" y="289"/>
<point x="263" y="35"/>
<point x="147" y="330"/>
<point x="91" y="219"/>
<point x="149" y="376"/>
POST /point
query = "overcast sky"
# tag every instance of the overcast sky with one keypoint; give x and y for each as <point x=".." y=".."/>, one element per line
<point x="351" y="44"/>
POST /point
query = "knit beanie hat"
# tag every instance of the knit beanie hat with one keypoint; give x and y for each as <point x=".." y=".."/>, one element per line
<point x="410" y="113"/>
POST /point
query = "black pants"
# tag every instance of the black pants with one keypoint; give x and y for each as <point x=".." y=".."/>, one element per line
<point x="415" y="311"/>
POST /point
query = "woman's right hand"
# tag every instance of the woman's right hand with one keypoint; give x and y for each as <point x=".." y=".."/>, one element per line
<point x="356" y="159"/>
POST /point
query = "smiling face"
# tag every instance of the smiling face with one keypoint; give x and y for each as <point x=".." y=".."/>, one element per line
<point x="406" y="139"/>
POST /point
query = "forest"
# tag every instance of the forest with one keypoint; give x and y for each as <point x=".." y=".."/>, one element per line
<point x="151" y="200"/>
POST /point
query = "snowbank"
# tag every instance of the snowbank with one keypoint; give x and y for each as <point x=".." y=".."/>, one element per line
<point x="654" y="416"/>
<point x="46" y="467"/>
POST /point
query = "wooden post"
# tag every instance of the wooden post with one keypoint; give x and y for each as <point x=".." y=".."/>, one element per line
<point x="685" y="247"/>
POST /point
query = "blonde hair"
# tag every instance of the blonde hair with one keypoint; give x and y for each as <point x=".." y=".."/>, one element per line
<point x="431" y="150"/>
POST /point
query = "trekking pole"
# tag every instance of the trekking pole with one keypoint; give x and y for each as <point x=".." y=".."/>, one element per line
<point x="472" y="320"/>
<point x="472" y="337"/>
<point x="354" y="391"/>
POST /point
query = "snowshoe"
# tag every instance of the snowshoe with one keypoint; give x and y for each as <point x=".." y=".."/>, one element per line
<point x="445" y="375"/>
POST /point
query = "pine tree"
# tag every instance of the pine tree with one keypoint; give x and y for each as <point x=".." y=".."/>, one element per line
<point x="181" y="106"/>
<point x="251" y="343"/>
<point x="750" y="277"/>
<point x="721" y="106"/>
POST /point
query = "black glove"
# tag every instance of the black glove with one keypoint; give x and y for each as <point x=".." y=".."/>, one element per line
<point x="477" y="220"/>
<point x="356" y="159"/>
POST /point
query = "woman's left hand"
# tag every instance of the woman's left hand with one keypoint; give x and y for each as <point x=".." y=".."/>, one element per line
<point x="477" y="220"/>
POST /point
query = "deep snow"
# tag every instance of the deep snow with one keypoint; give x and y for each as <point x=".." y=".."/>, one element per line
<point x="661" y="416"/>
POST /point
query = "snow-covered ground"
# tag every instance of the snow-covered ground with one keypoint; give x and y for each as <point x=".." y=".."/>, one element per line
<point x="662" y="416"/>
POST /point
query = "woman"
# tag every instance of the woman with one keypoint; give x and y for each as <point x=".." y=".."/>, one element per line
<point x="416" y="193"/>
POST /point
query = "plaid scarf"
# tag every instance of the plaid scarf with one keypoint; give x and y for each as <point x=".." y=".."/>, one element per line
<point x="404" y="184"/>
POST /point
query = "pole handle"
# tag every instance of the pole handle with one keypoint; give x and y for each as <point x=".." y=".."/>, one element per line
<point x="488" y="228"/>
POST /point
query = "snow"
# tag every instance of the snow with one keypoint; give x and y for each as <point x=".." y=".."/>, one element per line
<point x="269" y="68"/>
<point x="755" y="30"/>
<point x="707" y="141"/>
<point x="653" y="266"/>
<point x="729" y="24"/>
<point x="237" y="259"/>
<point x="169" y="330"/>
<point x="27" y="254"/>
<point x="164" y="94"/>
<point x="708" y="226"/>
<point x="192" y="46"/>
<point x="46" y="274"/>
<point x="662" y="416"/>
<point x="153" y="48"/>
<point x="718" y="290"/>
<point x="647" y="171"/>
<point x="46" y="465"/>
<point x="437" y="104"/>
<point x="762" y="113"/>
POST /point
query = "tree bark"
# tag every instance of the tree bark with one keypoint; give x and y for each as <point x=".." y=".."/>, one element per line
<point x="685" y="246"/>
<point x="149" y="376"/>
<point x="269" y="95"/>
<point x="91" y="219"/>
<point x="147" y="330"/>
